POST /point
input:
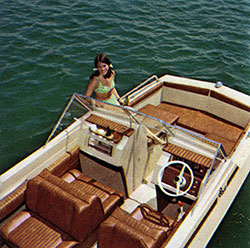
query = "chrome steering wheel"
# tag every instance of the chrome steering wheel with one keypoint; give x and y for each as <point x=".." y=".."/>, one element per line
<point x="179" y="180"/>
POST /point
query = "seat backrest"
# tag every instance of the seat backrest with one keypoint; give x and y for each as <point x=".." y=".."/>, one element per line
<point x="96" y="211"/>
<point x="133" y="238"/>
<point x="115" y="231"/>
<point x="59" y="182"/>
<point x="62" y="209"/>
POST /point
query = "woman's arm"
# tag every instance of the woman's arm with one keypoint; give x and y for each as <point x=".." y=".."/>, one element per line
<point x="114" y="91"/>
<point x="91" y="87"/>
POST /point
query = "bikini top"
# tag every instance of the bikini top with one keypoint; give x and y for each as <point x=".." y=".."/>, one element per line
<point x="104" y="89"/>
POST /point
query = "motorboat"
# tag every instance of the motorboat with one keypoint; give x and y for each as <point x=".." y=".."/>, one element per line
<point x="160" y="171"/>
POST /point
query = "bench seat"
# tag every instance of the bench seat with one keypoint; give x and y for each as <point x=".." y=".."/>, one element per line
<point x="54" y="217"/>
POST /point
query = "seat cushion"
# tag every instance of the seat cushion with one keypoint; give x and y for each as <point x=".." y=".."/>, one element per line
<point x="25" y="230"/>
<point x="123" y="231"/>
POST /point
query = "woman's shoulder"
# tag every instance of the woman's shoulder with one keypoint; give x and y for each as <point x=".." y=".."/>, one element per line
<point x="95" y="81"/>
<point x="95" y="78"/>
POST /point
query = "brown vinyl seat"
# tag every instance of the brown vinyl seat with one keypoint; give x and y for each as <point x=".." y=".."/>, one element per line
<point x="54" y="217"/>
<point x="109" y="197"/>
<point x="28" y="230"/>
<point x="142" y="228"/>
<point x="70" y="160"/>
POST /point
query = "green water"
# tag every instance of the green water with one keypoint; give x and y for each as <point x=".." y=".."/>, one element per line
<point x="47" y="50"/>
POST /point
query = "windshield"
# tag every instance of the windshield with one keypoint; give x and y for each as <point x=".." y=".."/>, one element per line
<point x="158" y="132"/>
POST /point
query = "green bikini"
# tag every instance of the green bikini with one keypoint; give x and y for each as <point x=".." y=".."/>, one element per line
<point x="104" y="89"/>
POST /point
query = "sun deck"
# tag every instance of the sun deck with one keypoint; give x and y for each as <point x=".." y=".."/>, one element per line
<point x="197" y="121"/>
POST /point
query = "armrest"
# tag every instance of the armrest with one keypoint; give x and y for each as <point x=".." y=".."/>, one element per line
<point x="12" y="201"/>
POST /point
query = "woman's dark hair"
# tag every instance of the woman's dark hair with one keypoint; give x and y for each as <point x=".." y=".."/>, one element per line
<point x="103" y="59"/>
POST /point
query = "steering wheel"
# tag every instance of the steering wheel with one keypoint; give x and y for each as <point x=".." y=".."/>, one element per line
<point x="179" y="180"/>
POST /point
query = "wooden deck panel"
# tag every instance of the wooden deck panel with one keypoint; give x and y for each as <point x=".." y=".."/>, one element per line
<point x="104" y="123"/>
<point x="189" y="155"/>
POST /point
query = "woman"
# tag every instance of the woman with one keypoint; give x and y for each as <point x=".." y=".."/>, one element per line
<point x="102" y="81"/>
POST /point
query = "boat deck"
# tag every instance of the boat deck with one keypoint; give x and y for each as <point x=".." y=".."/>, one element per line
<point x="203" y="123"/>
